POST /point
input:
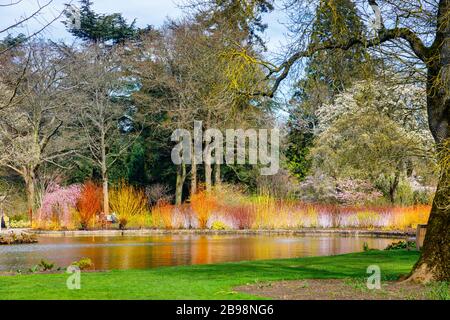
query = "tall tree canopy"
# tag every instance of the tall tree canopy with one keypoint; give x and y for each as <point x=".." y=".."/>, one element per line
<point x="326" y="74"/>
<point x="239" y="16"/>
<point x="91" y="26"/>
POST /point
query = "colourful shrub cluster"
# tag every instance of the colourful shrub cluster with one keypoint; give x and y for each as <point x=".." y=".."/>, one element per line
<point x="57" y="207"/>
<point x="89" y="204"/>
<point x="276" y="214"/>
<point x="264" y="212"/>
<point x="203" y="204"/>
<point x="163" y="215"/>
<point x="242" y="217"/>
<point x="128" y="203"/>
<point x="80" y="207"/>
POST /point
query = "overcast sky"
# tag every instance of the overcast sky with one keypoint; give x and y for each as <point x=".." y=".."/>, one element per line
<point x="147" y="12"/>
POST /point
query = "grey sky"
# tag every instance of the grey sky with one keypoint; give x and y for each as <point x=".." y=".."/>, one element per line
<point x="147" y="12"/>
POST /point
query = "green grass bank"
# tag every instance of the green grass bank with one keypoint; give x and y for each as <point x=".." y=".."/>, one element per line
<point x="215" y="281"/>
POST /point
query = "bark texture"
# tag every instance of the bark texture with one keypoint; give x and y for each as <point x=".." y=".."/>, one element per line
<point x="434" y="263"/>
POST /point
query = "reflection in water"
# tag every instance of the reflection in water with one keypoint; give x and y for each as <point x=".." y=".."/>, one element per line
<point x="136" y="252"/>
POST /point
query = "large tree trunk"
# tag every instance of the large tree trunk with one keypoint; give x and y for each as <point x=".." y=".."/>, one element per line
<point x="30" y="180"/>
<point x="217" y="178"/>
<point x="208" y="169"/>
<point x="194" y="164"/>
<point x="434" y="263"/>
<point x="393" y="187"/>
<point x="181" y="177"/>
<point x="193" y="177"/>
<point x="208" y="177"/>
<point x="207" y="159"/>
<point x="105" y="195"/>
<point x="104" y="168"/>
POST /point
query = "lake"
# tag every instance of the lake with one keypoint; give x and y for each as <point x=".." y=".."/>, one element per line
<point x="141" y="252"/>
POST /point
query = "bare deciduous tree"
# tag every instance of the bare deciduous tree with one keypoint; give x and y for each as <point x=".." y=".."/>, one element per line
<point x="99" y="102"/>
<point x="169" y="91"/>
<point x="184" y="75"/>
<point x="31" y="129"/>
<point x="24" y="19"/>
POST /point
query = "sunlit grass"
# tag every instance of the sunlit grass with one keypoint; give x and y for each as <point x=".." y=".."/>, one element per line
<point x="213" y="281"/>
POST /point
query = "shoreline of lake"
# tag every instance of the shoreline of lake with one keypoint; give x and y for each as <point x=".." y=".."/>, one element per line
<point x="141" y="249"/>
<point x="304" y="231"/>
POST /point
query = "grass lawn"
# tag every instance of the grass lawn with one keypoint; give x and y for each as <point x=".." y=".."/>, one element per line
<point x="215" y="281"/>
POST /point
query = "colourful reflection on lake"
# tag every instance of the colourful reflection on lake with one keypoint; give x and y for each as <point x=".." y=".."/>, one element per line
<point x="140" y="252"/>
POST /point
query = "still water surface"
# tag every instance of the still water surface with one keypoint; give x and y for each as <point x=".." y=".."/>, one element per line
<point x="140" y="252"/>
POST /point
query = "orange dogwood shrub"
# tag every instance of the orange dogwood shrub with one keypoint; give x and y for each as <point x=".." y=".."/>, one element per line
<point x="89" y="204"/>
<point x="162" y="214"/>
<point x="203" y="205"/>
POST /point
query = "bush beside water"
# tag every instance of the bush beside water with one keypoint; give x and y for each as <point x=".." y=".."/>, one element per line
<point x="225" y="207"/>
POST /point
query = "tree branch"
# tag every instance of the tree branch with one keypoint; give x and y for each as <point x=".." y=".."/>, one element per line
<point x="47" y="138"/>
<point x="25" y="19"/>
<point x="384" y="35"/>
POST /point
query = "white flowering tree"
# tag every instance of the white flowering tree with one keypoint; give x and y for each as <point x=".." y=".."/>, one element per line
<point x="373" y="129"/>
<point x="402" y="102"/>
